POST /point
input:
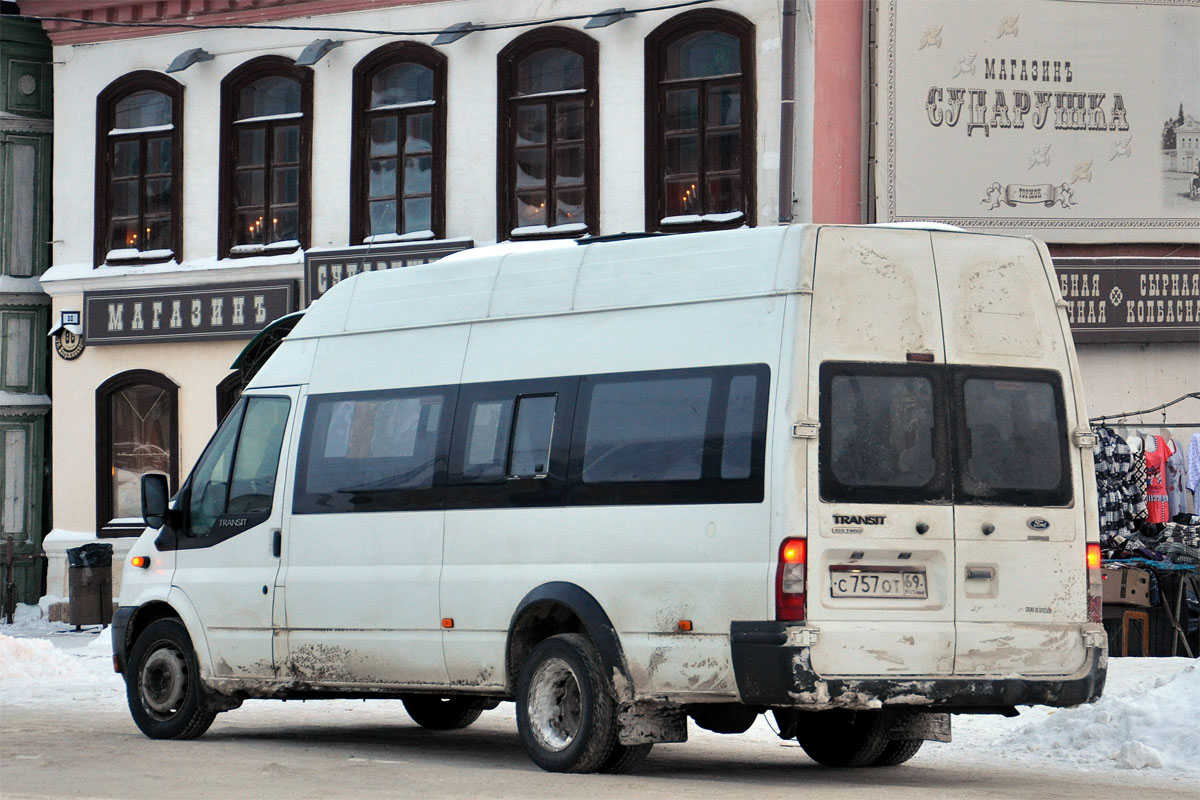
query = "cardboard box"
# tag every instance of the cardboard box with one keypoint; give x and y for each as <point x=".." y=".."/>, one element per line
<point x="1126" y="587"/>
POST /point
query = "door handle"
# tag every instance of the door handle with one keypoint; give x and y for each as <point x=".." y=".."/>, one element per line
<point x="276" y="542"/>
<point x="980" y="573"/>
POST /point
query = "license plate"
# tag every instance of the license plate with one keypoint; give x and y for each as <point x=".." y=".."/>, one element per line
<point x="877" y="582"/>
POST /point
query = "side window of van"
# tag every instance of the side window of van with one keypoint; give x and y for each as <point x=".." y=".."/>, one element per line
<point x="210" y="479"/>
<point x="533" y="427"/>
<point x="236" y="475"/>
<point x="509" y="438"/>
<point x="740" y="419"/>
<point x="646" y="429"/>
<point x="487" y="441"/>
<point x="672" y="436"/>
<point x="510" y="443"/>
<point x="252" y="487"/>
<point x="372" y="451"/>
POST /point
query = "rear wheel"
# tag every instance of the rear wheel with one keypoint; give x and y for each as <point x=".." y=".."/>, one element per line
<point x="624" y="758"/>
<point x="162" y="684"/>
<point x="566" y="714"/>
<point x="442" y="713"/>
<point x="843" y="738"/>
<point x="897" y="752"/>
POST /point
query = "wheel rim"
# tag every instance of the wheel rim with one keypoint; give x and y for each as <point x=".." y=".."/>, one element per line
<point x="163" y="682"/>
<point x="555" y="705"/>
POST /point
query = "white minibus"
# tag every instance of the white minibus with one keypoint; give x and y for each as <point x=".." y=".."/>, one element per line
<point x="840" y="474"/>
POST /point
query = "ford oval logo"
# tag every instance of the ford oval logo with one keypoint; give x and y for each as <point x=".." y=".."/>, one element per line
<point x="1038" y="524"/>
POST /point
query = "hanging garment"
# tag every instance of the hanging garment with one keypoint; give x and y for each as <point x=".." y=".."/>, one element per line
<point x="1156" y="455"/>
<point x="1116" y="489"/>
<point x="1136" y="488"/>
<point x="1193" y="470"/>
<point x="1176" y="470"/>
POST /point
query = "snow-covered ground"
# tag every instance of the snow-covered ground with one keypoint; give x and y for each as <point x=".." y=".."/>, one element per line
<point x="1147" y="719"/>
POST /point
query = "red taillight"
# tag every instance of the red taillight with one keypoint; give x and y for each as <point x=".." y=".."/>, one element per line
<point x="790" y="580"/>
<point x="1095" y="585"/>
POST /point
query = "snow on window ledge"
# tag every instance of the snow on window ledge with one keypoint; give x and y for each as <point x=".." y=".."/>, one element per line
<point x="532" y="231"/>
<point x="401" y="106"/>
<point x="147" y="129"/>
<point x="283" y="246"/>
<point x="270" y="118"/>
<point x="700" y="219"/>
<point x="411" y="236"/>
<point x="127" y="254"/>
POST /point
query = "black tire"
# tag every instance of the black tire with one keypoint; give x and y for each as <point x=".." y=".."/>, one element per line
<point x="624" y="758"/>
<point x="442" y="713"/>
<point x="162" y="684"/>
<point x="897" y="752"/>
<point x="566" y="714"/>
<point x="843" y="738"/>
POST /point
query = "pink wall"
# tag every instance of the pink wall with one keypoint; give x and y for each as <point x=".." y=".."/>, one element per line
<point x="837" y="113"/>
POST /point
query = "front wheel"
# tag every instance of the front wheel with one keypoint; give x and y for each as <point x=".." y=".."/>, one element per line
<point x="566" y="714"/>
<point x="162" y="684"/>
<point x="843" y="738"/>
<point x="442" y="713"/>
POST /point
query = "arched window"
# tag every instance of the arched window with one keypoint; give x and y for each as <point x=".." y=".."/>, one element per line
<point x="228" y="391"/>
<point x="700" y="106"/>
<point x="266" y="132"/>
<point x="139" y="154"/>
<point x="549" y="148"/>
<point x="398" y="180"/>
<point x="137" y="432"/>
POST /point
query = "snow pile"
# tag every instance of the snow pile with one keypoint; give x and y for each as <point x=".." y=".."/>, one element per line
<point x="1151" y="724"/>
<point x="37" y="660"/>
<point x="29" y="616"/>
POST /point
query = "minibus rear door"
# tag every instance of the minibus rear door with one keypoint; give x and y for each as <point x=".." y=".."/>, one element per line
<point x="880" y="577"/>
<point x="1020" y="539"/>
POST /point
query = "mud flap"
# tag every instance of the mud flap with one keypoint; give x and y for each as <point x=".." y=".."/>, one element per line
<point x="647" y="722"/>
<point x="929" y="726"/>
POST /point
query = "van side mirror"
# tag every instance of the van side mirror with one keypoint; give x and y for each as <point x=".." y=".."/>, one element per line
<point x="155" y="496"/>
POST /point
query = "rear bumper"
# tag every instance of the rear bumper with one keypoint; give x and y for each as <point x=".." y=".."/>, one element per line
<point x="771" y="672"/>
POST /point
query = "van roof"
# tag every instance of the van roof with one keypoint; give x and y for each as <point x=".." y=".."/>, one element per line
<point x="540" y="278"/>
<point x="531" y="279"/>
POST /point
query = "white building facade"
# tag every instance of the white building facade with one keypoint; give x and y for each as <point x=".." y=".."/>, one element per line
<point x="208" y="182"/>
<point x="211" y="180"/>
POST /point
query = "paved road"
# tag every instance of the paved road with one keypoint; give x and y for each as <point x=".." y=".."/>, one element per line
<point x="346" y="749"/>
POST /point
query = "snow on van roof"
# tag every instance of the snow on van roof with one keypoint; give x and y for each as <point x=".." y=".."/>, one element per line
<point x="920" y="226"/>
<point x="506" y="248"/>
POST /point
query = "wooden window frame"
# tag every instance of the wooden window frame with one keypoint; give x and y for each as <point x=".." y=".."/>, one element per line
<point x="657" y="43"/>
<point x="106" y="104"/>
<point x="365" y="71"/>
<point x="231" y="85"/>
<point x="104" y="394"/>
<point x="229" y="391"/>
<point x="518" y="49"/>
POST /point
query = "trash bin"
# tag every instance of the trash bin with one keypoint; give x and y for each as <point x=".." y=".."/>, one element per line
<point x="89" y="578"/>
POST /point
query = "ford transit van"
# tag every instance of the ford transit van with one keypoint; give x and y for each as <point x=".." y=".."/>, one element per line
<point x="837" y="474"/>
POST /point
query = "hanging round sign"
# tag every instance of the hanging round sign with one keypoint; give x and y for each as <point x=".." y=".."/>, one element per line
<point x="69" y="346"/>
